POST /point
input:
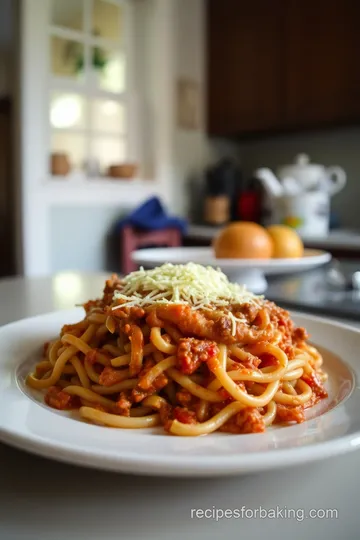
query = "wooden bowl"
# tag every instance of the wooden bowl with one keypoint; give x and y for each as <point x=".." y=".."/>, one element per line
<point x="125" y="170"/>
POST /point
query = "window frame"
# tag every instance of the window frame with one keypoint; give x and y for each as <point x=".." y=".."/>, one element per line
<point x="87" y="89"/>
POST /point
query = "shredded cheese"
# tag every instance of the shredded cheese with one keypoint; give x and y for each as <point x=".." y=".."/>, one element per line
<point x="192" y="284"/>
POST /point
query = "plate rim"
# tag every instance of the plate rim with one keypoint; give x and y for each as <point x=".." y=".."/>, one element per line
<point x="316" y="257"/>
<point x="158" y="466"/>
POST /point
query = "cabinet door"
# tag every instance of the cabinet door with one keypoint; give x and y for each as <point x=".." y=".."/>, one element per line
<point x="244" y="66"/>
<point x="7" y="192"/>
<point x="322" y="51"/>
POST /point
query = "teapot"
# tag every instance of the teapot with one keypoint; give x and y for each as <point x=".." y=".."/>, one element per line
<point x="302" y="176"/>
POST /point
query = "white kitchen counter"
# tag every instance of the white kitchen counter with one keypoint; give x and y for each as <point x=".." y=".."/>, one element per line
<point x="45" y="500"/>
<point x="338" y="239"/>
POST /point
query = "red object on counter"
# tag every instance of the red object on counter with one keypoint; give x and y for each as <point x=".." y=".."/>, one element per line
<point x="249" y="206"/>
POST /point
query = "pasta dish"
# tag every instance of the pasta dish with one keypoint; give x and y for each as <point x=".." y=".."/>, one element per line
<point x="182" y="347"/>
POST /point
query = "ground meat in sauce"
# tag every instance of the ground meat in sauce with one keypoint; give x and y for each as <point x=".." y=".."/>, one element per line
<point x="111" y="285"/>
<point x="268" y="360"/>
<point x="184" y="415"/>
<point x="315" y="384"/>
<point x="124" y="403"/>
<point x="287" y="413"/>
<point x="57" y="398"/>
<point x="141" y="391"/>
<point x="74" y="329"/>
<point x="250" y="362"/>
<point x="299" y="335"/>
<point x="128" y="315"/>
<point x="138" y="393"/>
<point x="191" y="353"/>
<point x="248" y="311"/>
<point x="249" y="420"/>
<point x="184" y="397"/>
<point x="217" y="326"/>
<point x="110" y="376"/>
<point x="209" y="325"/>
<point x="92" y="356"/>
<point x="281" y="320"/>
<point x="224" y="394"/>
<point x="166" y="415"/>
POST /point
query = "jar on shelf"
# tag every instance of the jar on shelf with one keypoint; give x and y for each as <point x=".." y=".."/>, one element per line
<point x="60" y="164"/>
<point x="217" y="209"/>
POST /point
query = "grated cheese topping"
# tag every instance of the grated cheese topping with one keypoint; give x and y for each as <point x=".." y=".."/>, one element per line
<point x="191" y="284"/>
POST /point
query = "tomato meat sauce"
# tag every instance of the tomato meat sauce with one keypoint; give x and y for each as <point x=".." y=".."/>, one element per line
<point x="191" y="353"/>
<point x="57" y="398"/>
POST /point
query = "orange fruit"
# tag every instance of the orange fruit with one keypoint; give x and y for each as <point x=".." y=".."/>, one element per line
<point x="287" y="243"/>
<point x="243" y="240"/>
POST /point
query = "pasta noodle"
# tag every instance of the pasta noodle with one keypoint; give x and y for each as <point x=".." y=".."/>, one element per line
<point x="181" y="347"/>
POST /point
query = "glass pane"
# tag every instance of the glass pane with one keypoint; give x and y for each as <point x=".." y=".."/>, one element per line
<point x="73" y="145"/>
<point x="106" y="20"/>
<point x="107" y="115"/>
<point x="68" y="14"/>
<point x="108" y="68"/>
<point x="67" y="110"/>
<point x="107" y="151"/>
<point x="67" y="57"/>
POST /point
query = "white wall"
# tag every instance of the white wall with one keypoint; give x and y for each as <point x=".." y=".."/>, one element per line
<point x="337" y="147"/>
<point x="189" y="146"/>
<point x="193" y="150"/>
<point x="83" y="239"/>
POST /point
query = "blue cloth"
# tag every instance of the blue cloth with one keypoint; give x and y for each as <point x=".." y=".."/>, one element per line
<point x="151" y="215"/>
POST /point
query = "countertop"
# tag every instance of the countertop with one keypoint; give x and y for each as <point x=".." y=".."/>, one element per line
<point x="337" y="239"/>
<point x="45" y="500"/>
<point x="310" y="291"/>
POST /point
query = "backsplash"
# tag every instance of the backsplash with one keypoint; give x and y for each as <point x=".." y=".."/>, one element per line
<point x="340" y="147"/>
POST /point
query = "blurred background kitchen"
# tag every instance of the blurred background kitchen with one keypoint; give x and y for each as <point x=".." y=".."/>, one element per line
<point x="207" y="111"/>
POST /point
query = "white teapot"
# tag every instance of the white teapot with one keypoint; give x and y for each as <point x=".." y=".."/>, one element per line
<point x="299" y="195"/>
<point x="302" y="176"/>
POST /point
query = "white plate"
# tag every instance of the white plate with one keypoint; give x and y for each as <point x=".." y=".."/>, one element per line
<point x="250" y="272"/>
<point x="333" y="426"/>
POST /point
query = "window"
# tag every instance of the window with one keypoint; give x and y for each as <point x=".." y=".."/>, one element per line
<point x="89" y="85"/>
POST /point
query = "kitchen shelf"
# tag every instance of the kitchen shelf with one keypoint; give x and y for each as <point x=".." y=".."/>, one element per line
<point x="82" y="191"/>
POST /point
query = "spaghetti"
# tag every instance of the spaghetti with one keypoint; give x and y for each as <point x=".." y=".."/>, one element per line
<point x="182" y="347"/>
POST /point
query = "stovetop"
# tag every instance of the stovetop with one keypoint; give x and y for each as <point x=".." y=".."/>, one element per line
<point x="310" y="291"/>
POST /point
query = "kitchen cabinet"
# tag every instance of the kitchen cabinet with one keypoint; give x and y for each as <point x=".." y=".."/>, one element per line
<point x="321" y="68"/>
<point x="282" y="65"/>
<point x="243" y="65"/>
